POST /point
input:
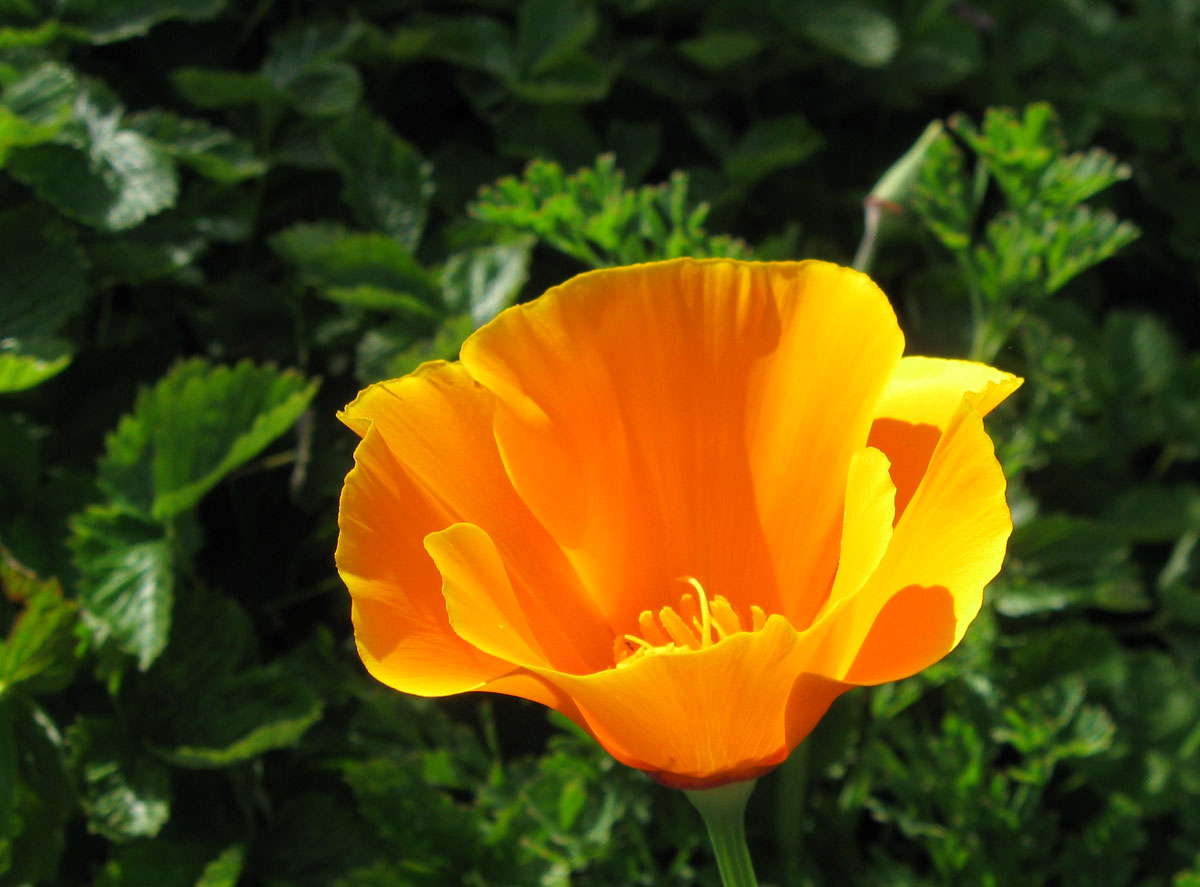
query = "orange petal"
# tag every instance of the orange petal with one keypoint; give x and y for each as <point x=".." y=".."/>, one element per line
<point x="690" y="418"/>
<point x="946" y="547"/>
<point x="867" y="526"/>
<point x="701" y="718"/>
<point x="917" y="406"/>
<point x="399" y="616"/>
<point x="429" y="460"/>
<point x="480" y="601"/>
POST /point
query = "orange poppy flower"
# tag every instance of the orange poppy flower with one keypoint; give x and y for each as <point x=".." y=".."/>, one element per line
<point x="687" y="504"/>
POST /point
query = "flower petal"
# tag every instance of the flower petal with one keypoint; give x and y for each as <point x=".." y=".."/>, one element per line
<point x="917" y="406"/>
<point x="867" y="526"/>
<point x="946" y="547"/>
<point x="399" y="616"/>
<point x="429" y="460"/>
<point x="652" y="419"/>
<point x="701" y="718"/>
<point x="481" y="604"/>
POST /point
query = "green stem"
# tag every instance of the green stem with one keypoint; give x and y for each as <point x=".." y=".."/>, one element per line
<point x="723" y="809"/>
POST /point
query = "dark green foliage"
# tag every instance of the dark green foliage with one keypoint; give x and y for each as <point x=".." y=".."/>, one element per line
<point x="210" y="205"/>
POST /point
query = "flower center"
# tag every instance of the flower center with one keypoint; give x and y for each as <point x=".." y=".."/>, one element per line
<point x="697" y="624"/>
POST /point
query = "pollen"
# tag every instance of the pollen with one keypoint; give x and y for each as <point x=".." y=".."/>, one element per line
<point x="697" y="624"/>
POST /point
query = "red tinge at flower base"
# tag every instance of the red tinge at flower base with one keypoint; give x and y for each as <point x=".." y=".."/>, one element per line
<point x="687" y="504"/>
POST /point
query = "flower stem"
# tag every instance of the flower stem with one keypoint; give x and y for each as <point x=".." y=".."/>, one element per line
<point x="723" y="809"/>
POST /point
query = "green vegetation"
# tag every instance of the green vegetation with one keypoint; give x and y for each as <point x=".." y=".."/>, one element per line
<point x="219" y="219"/>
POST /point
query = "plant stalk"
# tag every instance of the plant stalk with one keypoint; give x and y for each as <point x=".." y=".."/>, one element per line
<point x="724" y="812"/>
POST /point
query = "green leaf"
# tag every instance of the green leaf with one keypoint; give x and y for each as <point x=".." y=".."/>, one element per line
<point x="718" y="50"/>
<point x="216" y="89"/>
<point x="106" y="176"/>
<point x="107" y="21"/>
<point x="214" y="153"/>
<point x="36" y="107"/>
<point x="41" y="642"/>
<point x="475" y="42"/>
<point x="486" y="280"/>
<point x="172" y="863"/>
<point x="43" y="797"/>
<point x="943" y="196"/>
<point x="1156" y="513"/>
<point x="29" y="363"/>
<point x="304" y="65"/>
<point x="387" y="352"/>
<point x="384" y="179"/>
<point x="158" y="248"/>
<point x="43" y="271"/>
<point x="8" y="779"/>
<point x="126" y="580"/>
<point x="1061" y="562"/>
<point x="771" y="145"/>
<point x="126" y="790"/>
<point x="1083" y="239"/>
<point x="202" y="708"/>
<point x="577" y="79"/>
<point x="193" y="428"/>
<point x="332" y="89"/>
<point x="332" y="258"/>
<point x="550" y="31"/>
<point x="858" y="33"/>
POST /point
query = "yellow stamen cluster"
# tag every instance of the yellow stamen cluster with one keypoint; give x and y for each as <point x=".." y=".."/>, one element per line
<point x="697" y="624"/>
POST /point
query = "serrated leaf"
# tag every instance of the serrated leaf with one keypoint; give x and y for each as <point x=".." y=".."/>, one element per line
<point x="105" y="176"/>
<point x="203" y="707"/>
<point x="305" y="66"/>
<point x="475" y="42"/>
<point x="332" y="89"/>
<point x="126" y="791"/>
<point x="107" y="21"/>
<point x="771" y="145"/>
<point x="330" y="257"/>
<point x="549" y="31"/>
<point x="214" y="89"/>
<point x="576" y="79"/>
<point x="250" y="713"/>
<point x="214" y="153"/>
<point x="193" y="428"/>
<point x="858" y="33"/>
<point x="29" y="363"/>
<point x="43" y="271"/>
<point x="384" y="179"/>
<point x="157" y="248"/>
<point x="171" y="863"/>
<point x="126" y="580"/>
<point x="377" y="298"/>
<point x="718" y="50"/>
<point x="486" y="280"/>
<point x="36" y="107"/>
<point x="43" y="797"/>
<point x="41" y="642"/>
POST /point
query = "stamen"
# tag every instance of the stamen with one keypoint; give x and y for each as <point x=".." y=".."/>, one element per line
<point x="705" y="623"/>
<point x="679" y="631"/>
<point x="699" y="623"/>
<point x="725" y="620"/>
<point x="651" y="629"/>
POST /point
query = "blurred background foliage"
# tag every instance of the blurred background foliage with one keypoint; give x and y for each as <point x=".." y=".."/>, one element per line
<point x="219" y="219"/>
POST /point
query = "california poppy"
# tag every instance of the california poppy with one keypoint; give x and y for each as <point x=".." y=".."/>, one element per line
<point x="687" y="504"/>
